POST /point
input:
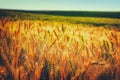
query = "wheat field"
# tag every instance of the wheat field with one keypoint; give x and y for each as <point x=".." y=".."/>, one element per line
<point x="53" y="50"/>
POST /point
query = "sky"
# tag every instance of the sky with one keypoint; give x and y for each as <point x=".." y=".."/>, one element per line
<point x="74" y="5"/>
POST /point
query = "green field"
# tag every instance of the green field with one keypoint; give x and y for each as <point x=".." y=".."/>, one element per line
<point x="76" y="17"/>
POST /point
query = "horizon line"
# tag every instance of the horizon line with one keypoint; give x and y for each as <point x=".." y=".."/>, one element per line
<point x="56" y="10"/>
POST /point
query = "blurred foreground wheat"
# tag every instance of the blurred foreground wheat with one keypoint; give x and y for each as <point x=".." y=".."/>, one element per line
<point x="49" y="50"/>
